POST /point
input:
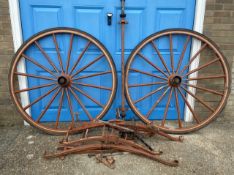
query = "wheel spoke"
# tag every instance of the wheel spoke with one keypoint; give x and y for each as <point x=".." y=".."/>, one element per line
<point x="189" y="106"/>
<point x="206" y="78"/>
<point x="166" y="109"/>
<point x="38" y="99"/>
<point x="46" y="56"/>
<point x="146" y="84"/>
<point x="81" y="104"/>
<point x="194" y="57"/>
<point x="48" y="105"/>
<point x="149" y="94"/>
<point x="197" y="98"/>
<point x="80" y="56"/>
<point x="91" y="63"/>
<point x="93" y="86"/>
<point x="59" y="109"/>
<point x="160" y="56"/>
<point x="35" y="76"/>
<point x="157" y="102"/>
<point x="86" y="95"/>
<point x="204" y="89"/>
<point x="92" y="75"/>
<point x="58" y="52"/>
<point x="171" y="52"/>
<point x="36" y="87"/>
<point x="69" y="53"/>
<point x="153" y="65"/>
<point x="146" y="73"/>
<point x="39" y="65"/>
<point x="70" y="108"/>
<point x="178" y="108"/>
<point x="182" y="54"/>
<point x="203" y="66"/>
<point x="63" y="79"/>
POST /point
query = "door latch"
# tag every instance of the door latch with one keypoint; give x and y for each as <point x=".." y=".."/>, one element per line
<point x="109" y="18"/>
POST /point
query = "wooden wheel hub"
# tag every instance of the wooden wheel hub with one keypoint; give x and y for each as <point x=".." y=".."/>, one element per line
<point x="174" y="80"/>
<point x="64" y="81"/>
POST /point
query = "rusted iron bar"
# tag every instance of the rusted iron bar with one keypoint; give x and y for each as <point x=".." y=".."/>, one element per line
<point x="123" y="126"/>
<point x="83" y="149"/>
<point x="123" y="22"/>
<point x="109" y="138"/>
<point x="110" y="141"/>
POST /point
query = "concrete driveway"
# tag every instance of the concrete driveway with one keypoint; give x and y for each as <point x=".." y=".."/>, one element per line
<point x="209" y="151"/>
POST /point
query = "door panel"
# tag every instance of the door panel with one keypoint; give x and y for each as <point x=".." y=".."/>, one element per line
<point x="144" y="18"/>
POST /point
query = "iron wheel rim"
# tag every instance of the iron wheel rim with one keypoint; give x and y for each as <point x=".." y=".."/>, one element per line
<point x="54" y="31"/>
<point x="196" y="35"/>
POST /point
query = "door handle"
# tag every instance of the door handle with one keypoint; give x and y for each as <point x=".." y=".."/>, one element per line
<point x="109" y="18"/>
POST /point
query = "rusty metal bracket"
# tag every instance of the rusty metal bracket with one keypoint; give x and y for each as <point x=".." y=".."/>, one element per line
<point x="109" y="140"/>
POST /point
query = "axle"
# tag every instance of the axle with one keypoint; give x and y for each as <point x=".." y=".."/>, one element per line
<point x="122" y="22"/>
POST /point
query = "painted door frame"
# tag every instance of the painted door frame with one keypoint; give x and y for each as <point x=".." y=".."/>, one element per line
<point x="18" y="40"/>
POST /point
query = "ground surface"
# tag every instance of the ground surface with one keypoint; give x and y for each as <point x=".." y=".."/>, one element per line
<point x="209" y="151"/>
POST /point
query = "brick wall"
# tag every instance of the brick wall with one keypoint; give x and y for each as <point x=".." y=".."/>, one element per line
<point x="8" y="114"/>
<point x="219" y="25"/>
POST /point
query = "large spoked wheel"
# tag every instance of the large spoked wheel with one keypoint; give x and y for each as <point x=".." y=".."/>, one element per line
<point x="183" y="80"/>
<point x="70" y="76"/>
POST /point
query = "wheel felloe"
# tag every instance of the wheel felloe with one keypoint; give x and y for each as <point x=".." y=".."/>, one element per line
<point x="64" y="82"/>
<point x="196" y="89"/>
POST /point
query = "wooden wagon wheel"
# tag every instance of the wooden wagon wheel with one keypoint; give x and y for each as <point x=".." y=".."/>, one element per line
<point x="178" y="82"/>
<point x="70" y="61"/>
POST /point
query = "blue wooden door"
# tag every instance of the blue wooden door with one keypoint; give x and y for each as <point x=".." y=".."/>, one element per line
<point x="144" y="18"/>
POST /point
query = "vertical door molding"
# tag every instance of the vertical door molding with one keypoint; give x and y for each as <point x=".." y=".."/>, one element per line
<point x="198" y="27"/>
<point x="17" y="35"/>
